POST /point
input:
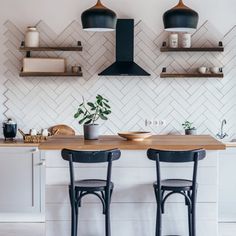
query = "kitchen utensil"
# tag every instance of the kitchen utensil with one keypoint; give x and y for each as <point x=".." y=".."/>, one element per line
<point x="33" y="132"/>
<point x="45" y="132"/>
<point x="135" y="136"/>
<point x="9" y="129"/>
<point x="61" y="130"/>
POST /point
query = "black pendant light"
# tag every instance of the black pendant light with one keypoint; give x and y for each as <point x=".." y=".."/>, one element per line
<point x="98" y="18"/>
<point x="180" y="19"/>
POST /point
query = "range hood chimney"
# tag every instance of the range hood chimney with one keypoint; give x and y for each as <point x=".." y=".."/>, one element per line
<point x="124" y="64"/>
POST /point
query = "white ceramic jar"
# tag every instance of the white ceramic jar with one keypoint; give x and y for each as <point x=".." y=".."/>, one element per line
<point x="186" y="40"/>
<point x="32" y="37"/>
<point x="173" y="40"/>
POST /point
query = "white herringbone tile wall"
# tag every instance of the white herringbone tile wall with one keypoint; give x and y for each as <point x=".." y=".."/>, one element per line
<point x="42" y="102"/>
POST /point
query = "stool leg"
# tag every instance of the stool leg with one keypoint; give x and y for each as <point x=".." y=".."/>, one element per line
<point x="107" y="214"/>
<point x="73" y="213"/>
<point x="76" y="220"/>
<point x="158" y="216"/>
<point x="194" y="213"/>
<point x="189" y="221"/>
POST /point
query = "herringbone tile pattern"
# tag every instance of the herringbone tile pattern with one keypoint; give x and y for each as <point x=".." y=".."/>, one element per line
<point x="41" y="102"/>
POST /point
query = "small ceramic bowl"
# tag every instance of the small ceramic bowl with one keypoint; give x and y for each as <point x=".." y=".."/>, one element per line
<point x="215" y="70"/>
<point x="202" y="70"/>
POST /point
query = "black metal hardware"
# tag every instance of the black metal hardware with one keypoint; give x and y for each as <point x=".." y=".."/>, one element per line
<point x="164" y="44"/>
<point x="164" y="70"/>
<point x="220" y="44"/>
<point x="163" y="189"/>
<point x="101" y="188"/>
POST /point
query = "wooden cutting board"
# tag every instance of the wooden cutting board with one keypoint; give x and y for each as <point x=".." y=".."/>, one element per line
<point x="61" y="130"/>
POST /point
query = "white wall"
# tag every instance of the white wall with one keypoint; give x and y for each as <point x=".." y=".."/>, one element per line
<point x="58" y="14"/>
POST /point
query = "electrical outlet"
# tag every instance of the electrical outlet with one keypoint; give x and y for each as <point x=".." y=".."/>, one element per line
<point x="155" y="123"/>
<point x="148" y="122"/>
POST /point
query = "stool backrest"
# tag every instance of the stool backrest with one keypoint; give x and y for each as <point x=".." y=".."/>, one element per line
<point x="90" y="157"/>
<point x="176" y="157"/>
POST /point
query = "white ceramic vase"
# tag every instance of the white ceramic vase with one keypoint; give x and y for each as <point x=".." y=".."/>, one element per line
<point x="32" y="37"/>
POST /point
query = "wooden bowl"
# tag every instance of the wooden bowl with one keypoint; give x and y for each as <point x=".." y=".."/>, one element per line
<point x="135" y="136"/>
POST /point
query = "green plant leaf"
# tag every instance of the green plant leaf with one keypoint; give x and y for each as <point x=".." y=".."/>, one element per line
<point x="88" y="122"/>
<point x="107" y="112"/>
<point x="103" y="117"/>
<point x="82" y="120"/>
<point x="106" y="105"/>
<point x="76" y="115"/>
<point x="91" y="104"/>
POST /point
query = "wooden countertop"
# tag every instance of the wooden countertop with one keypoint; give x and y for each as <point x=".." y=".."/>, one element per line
<point x="18" y="143"/>
<point x="164" y="142"/>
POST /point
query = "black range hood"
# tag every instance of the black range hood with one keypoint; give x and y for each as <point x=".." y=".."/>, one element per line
<point x="124" y="64"/>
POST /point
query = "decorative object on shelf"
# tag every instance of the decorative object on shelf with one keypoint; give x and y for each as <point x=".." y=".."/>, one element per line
<point x="215" y="70"/>
<point x="164" y="74"/>
<point x="61" y="129"/>
<point x="173" y="40"/>
<point x="186" y="40"/>
<point x="135" y="136"/>
<point x="189" y="128"/>
<point x="44" y="65"/>
<point x="32" y="37"/>
<point x="202" y="70"/>
<point x="88" y="113"/>
<point x="180" y="19"/>
<point x="75" y="69"/>
<point x="28" y="138"/>
<point x="9" y="129"/>
<point x="99" y="18"/>
<point x="220" y="48"/>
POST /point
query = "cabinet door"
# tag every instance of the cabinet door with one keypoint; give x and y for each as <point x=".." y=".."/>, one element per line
<point x="20" y="180"/>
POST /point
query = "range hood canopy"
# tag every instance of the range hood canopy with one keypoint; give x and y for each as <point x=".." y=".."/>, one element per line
<point x="124" y="64"/>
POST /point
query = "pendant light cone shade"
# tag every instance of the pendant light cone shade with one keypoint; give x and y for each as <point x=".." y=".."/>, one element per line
<point x="180" y="19"/>
<point x="99" y="18"/>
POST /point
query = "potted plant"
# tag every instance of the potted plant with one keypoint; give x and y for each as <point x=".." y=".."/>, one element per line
<point x="189" y="128"/>
<point x="88" y="113"/>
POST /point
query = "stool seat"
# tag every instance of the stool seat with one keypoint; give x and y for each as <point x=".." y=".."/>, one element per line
<point x="175" y="184"/>
<point x="92" y="185"/>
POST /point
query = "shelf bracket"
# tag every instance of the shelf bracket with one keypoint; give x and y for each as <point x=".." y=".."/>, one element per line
<point x="164" y="44"/>
<point x="164" y="70"/>
<point x="220" y="44"/>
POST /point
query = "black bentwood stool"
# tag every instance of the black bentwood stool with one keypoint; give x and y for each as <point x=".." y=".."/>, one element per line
<point x="98" y="187"/>
<point x="165" y="188"/>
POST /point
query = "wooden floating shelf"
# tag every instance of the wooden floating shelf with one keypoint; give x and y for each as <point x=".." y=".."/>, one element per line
<point x="165" y="48"/>
<point x="29" y="49"/>
<point x="191" y="75"/>
<point x="46" y="74"/>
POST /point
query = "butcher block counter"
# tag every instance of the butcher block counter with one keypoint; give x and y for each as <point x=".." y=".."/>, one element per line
<point x="164" y="142"/>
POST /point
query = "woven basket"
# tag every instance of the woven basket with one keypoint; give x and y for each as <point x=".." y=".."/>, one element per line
<point x="34" y="138"/>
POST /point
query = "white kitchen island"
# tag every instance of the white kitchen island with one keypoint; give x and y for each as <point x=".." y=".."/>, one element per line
<point x="133" y="207"/>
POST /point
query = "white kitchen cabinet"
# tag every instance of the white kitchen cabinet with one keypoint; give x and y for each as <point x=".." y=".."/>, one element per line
<point x="21" y="184"/>
<point x="227" y="185"/>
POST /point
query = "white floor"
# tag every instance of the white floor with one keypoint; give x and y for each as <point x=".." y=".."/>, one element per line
<point x="38" y="229"/>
